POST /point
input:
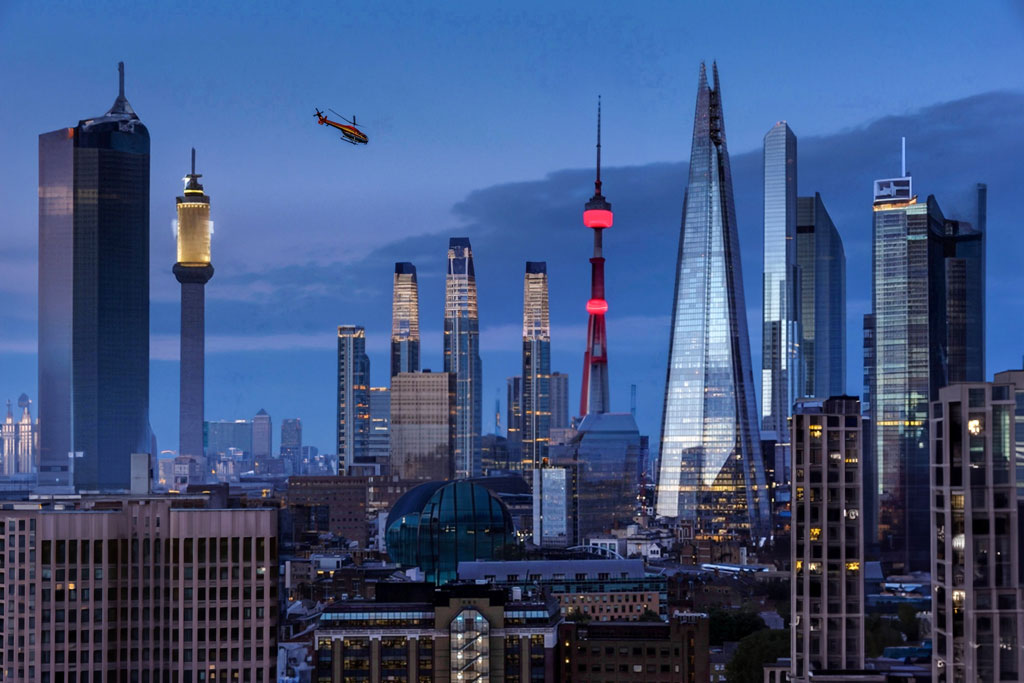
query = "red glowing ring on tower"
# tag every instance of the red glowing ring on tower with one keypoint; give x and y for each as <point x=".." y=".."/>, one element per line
<point x="597" y="307"/>
<point x="597" y="218"/>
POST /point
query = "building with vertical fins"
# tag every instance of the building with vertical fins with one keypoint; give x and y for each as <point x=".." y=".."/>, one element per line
<point x="927" y="277"/>
<point x="94" y="299"/>
<point x="822" y="262"/>
<point x="597" y="215"/>
<point x="193" y="270"/>
<point x="781" y="363"/>
<point x="405" y="321"/>
<point x="536" y="394"/>
<point x="462" y="355"/>
<point x="353" y="397"/>
<point x="711" y="472"/>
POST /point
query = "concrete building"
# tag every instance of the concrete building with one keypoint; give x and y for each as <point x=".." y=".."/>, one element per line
<point x="138" y="588"/>
<point x="345" y="496"/>
<point x="977" y="573"/>
<point x="422" y="430"/>
<point x="828" y="537"/>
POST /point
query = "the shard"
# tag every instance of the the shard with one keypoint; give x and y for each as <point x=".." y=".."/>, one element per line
<point x="711" y="474"/>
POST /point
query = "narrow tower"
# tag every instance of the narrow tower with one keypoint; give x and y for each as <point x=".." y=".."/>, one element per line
<point x="193" y="270"/>
<point x="405" y="321"/>
<point x="597" y="215"/>
<point x="536" y="398"/>
<point x="462" y="354"/>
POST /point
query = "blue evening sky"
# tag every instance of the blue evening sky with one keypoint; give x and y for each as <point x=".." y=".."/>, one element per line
<point x="481" y="118"/>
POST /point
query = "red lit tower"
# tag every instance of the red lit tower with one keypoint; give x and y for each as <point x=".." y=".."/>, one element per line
<point x="597" y="215"/>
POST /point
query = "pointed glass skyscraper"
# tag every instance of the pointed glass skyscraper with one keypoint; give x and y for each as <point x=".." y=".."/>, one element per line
<point x="462" y="355"/>
<point x="405" y="321"/>
<point x="536" y="399"/>
<point x="711" y="472"/>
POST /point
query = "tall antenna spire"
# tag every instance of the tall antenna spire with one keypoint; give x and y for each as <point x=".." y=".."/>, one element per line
<point x="120" y="79"/>
<point x="903" y="157"/>
<point x="597" y="183"/>
<point x="193" y="161"/>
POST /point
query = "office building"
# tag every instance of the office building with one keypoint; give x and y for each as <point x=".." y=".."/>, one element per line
<point x="405" y="321"/>
<point x="555" y="505"/>
<point x="193" y="270"/>
<point x="827" y="546"/>
<point x="353" y="397"/>
<point x="462" y="355"/>
<point x="976" y="569"/>
<point x="559" y="400"/>
<point x="606" y="452"/>
<point x="379" y="445"/>
<point x="597" y="215"/>
<point x="536" y="378"/>
<point x="410" y="632"/>
<point x="822" y="263"/>
<point x="262" y="439"/>
<point x="422" y="429"/>
<point x="94" y="299"/>
<point x="514" y="420"/>
<point x="494" y="453"/>
<point x="924" y="266"/>
<point x="19" y="440"/>
<point x="291" y="439"/>
<point x="781" y="361"/>
<point x="139" y="588"/>
<point x="223" y="436"/>
<point x="345" y="497"/>
<point x="711" y="474"/>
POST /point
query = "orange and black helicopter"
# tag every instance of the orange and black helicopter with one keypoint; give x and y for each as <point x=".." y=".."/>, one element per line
<point x="349" y="132"/>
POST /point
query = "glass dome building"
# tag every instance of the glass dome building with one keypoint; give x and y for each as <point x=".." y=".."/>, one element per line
<point x="441" y="523"/>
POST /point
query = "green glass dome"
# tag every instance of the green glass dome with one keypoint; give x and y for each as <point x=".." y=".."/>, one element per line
<point x="439" y="524"/>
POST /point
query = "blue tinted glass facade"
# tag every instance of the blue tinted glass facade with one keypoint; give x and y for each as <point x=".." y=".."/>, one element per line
<point x="711" y="472"/>
<point x="353" y="397"/>
<point x="608" y="450"/>
<point x="462" y="355"/>
<point x="536" y="378"/>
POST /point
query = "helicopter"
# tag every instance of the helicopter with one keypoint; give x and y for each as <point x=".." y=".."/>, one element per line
<point x="349" y="132"/>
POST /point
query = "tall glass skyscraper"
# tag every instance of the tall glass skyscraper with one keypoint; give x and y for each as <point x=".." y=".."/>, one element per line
<point x="94" y="299"/>
<point x="353" y="397"/>
<point x="780" y="347"/>
<point x="462" y="355"/>
<point x="405" y="321"/>
<point x="711" y="473"/>
<point x="922" y="264"/>
<point x="822" y="263"/>
<point x="536" y="399"/>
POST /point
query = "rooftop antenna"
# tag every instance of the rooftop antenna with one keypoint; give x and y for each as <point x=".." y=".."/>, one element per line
<point x="903" y="157"/>
<point x="597" y="183"/>
<point x="120" y="79"/>
<point x="193" y="161"/>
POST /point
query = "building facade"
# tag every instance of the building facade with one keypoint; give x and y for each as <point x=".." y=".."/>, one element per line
<point x="379" y="446"/>
<point x="405" y="321"/>
<point x="422" y="426"/>
<point x="827" y="537"/>
<point x="19" y="440"/>
<point x="711" y="473"/>
<point x="514" y="420"/>
<point x="606" y="451"/>
<point x="556" y="505"/>
<point x="462" y="355"/>
<point x="291" y="439"/>
<point x="346" y="498"/>
<point x="94" y="299"/>
<point x="140" y="588"/>
<point x="536" y="394"/>
<point x="353" y="397"/>
<point x="977" y="574"/>
<point x="559" y="400"/>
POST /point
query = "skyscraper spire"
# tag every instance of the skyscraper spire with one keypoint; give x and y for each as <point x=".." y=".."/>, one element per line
<point x="597" y="215"/>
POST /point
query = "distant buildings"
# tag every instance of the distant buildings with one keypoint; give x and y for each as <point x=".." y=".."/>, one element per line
<point x="291" y="439"/>
<point x="536" y="378"/>
<point x="711" y="473"/>
<point x="514" y="421"/>
<point x="422" y="429"/>
<point x="559" y="400"/>
<point x="94" y="299"/>
<point x="827" y="537"/>
<point x="262" y="439"/>
<point x="462" y="355"/>
<point x="405" y="321"/>
<point x="224" y="438"/>
<point x="928" y="291"/>
<point x="379" y="445"/>
<point x="345" y="498"/>
<point x="976" y="563"/>
<point x="19" y="440"/>
<point x="353" y="397"/>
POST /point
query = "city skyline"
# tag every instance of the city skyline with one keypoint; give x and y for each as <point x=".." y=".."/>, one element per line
<point x="294" y="338"/>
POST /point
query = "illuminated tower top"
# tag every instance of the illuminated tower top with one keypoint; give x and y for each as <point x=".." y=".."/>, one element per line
<point x="598" y="211"/>
<point x="194" y="227"/>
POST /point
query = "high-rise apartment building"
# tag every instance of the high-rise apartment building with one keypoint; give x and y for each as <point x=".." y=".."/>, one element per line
<point x="19" y="440"/>
<point x="139" y="588"/>
<point x="536" y="395"/>
<point x="827" y="537"/>
<point x="976" y="564"/>
<point x="262" y="438"/>
<point x="514" y="420"/>
<point x="781" y="361"/>
<point x="405" y="321"/>
<point x="94" y="299"/>
<point x="711" y="473"/>
<point x="822" y="262"/>
<point x="462" y="355"/>
<point x="423" y="425"/>
<point x="353" y="397"/>
<point x="924" y="267"/>
<point x="559" y="400"/>
<point x="193" y="270"/>
<point x="291" y="439"/>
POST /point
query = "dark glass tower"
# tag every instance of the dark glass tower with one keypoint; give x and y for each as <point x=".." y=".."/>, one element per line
<point x="405" y="321"/>
<point x="462" y="355"/>
<point x="711" y="473"/>
<point x="927" y="281"/>
<point x="353" y="397"/>
<point x="94" y="299"/>
<point x="536" y="396"/>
